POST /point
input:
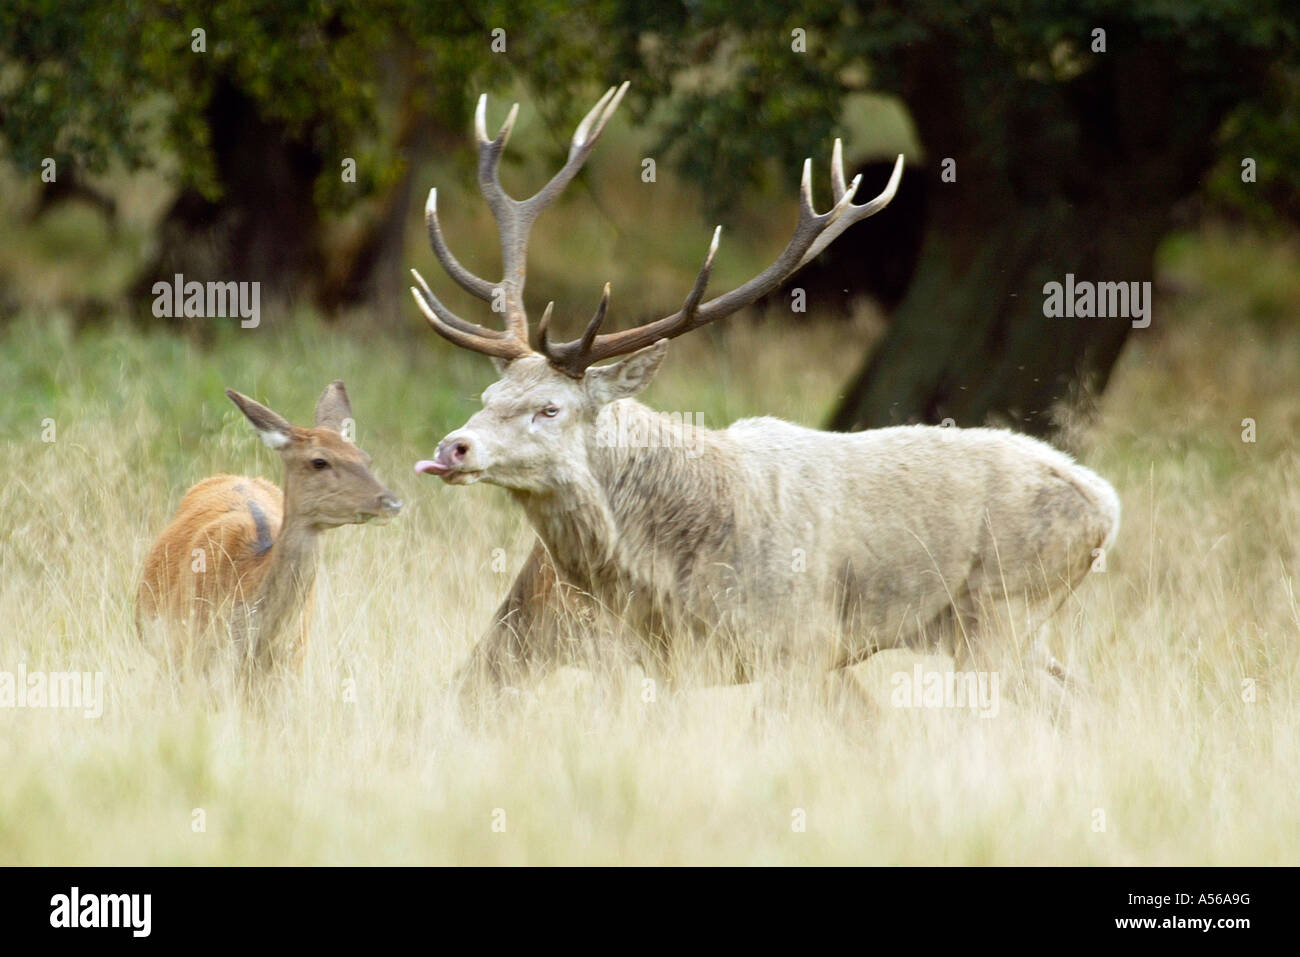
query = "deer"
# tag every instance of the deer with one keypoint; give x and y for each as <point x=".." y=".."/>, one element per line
<point x="235" y="569"/>
<point x="762" y="549"/>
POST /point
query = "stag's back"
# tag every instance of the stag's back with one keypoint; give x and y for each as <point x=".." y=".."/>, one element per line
<point x="908" y="518"/>
<point x="940" y="483"/>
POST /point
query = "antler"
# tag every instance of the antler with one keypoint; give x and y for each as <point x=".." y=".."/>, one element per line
<point x="515" y="220"/>
<point x="813" y="233"/>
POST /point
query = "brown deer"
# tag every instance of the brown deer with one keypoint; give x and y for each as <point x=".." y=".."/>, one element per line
<point x="238" y="561"/>
<point x="764" y="548"/>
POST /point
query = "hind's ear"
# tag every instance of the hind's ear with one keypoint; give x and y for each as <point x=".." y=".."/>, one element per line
<point x="333" y="407"/>
<point x="274" y="429"/>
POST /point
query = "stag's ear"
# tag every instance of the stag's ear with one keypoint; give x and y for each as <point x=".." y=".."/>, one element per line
<point x="626" y="377"/>
<point x="333" y="407"/>
<point x="274" y="429"/>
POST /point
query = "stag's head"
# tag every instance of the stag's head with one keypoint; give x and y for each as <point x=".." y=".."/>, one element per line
<point x="540" y="418"/>
<point x="537" y="423"/>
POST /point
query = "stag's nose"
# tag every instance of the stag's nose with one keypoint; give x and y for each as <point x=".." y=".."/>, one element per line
<point x="455" y="453"/>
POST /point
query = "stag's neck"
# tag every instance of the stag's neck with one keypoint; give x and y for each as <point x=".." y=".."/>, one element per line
<point x="655" y="499"/>
<point x="285" y="587"/>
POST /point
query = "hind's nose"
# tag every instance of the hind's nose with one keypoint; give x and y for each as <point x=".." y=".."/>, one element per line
<point x="390" y="503"/>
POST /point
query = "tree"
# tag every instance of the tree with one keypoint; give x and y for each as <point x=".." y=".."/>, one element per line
<point x="1074" y="128"/>
<point x="266" y="110"/>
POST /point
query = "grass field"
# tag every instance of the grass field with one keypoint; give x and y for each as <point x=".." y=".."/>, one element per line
<point x="1186" y="749"/>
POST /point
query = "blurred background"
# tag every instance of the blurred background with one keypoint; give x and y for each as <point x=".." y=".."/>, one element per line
<point x="293" y="144"/>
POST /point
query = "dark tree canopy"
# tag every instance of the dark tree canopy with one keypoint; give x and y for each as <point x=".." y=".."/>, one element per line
<point x="1075" y="129"/>
<point x="258" y="111"/>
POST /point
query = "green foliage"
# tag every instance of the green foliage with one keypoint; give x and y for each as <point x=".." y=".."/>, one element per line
<point x="65" y="74"/>
<point x="1267" y="131"/>
<point x="749" y="96"/>
<point x="77" y="79"/>
<point x="118" y="81"/>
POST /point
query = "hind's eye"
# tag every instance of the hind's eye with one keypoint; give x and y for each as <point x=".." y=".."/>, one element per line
<point x="319" y="464"/>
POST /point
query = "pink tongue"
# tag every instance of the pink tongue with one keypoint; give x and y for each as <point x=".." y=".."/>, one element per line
<point x="429" y="467"/>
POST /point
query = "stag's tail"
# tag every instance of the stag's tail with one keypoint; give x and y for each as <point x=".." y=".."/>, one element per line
<point x="1105" y="502"/>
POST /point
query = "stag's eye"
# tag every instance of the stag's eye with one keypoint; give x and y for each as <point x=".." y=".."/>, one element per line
<point x="319" y="464"/>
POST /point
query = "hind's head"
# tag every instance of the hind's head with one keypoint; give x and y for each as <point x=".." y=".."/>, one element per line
<point x="327" y="478"/>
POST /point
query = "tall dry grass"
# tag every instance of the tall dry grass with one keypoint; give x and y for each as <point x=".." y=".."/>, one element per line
<point x="1186" y="749"/>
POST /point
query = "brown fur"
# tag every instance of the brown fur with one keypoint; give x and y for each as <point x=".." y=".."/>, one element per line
<point x="238" y="560"/>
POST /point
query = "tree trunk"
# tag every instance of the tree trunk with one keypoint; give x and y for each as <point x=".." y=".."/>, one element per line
<point x="370" y="269"/>
<point x="970" y="342"/>
<point x="265" y="227"/>
<point x="1076" y="177"/>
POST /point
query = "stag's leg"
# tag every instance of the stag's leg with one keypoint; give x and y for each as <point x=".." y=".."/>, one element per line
<point x="813" y="674"/>
<point x="511" y="651"/>
<point x="1004" y="635"/>
<point x="1016" y="598"/>
<point x="1058" y="686"/>
<point x="541" y="624"/>
<point x="850" y="704"/>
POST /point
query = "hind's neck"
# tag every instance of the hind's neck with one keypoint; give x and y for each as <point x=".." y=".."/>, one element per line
<point x="285" y="587"/>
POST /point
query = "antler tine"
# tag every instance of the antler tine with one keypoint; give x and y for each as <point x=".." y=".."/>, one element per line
<point x="451" y="318"/>
<point x="464" y="334"/>
<point x="855" y="213"/>
<point x="580" y="146"/>
<point x="702" y="280"/>
<point x="489" y="156"/>
<point x="464" y="278"/>
<point x="584" y="141"/>
<point x="837" y="170"/>
<point x="489" y="160"/>
<point x="813" y="232"/>
<point x="809" y="226"/>
<point x="544" y="325"/>
<point x="589" y="336"/>
<point x="598" y="112"/>
<point x="515" y="218"/>
<point x="480" y="122"/>
<point x="572" y="357"/>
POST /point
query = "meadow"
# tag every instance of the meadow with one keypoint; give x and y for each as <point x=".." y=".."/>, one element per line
<point x="1184" y="750"/>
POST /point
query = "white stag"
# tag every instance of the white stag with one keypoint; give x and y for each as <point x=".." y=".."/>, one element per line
<point x="763" y="545"/>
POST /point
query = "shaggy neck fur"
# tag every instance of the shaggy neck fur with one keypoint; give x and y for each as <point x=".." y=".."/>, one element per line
<point x="286" y="585"/>
<point x="654" y="500"/>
